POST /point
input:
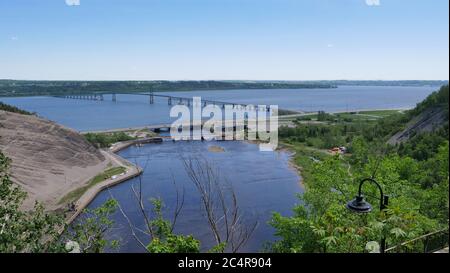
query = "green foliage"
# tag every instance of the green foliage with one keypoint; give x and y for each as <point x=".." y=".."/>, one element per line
<point x="52" y="88"/>
<point x="174" y="244"/>
<point x="10" y="108"/>
<point x="163" y="238"/>
<point x="424" y="146"/>
<point x="105" y="140"/>
<point x="220" y="248"/>
<point x="380" y="113"/>
<point x="436" y="99"/>
<point x="433" y="178"/>
<point x="78" y="192"/>
<point x="415" y="174"/>
<point x="359" y="152"/>
<point x="316" y="135"/>
<point x="20" y="231"/>
<point x="88" y="232"/>
<point x="38" y="231"/>
<point x="384" y="128"/>
<point x="340" y="130"/>
<point x="323" y="224"/>
<point x="322" y="116"/>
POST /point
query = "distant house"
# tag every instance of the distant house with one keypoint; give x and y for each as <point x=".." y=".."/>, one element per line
<point x="338" y="150"/>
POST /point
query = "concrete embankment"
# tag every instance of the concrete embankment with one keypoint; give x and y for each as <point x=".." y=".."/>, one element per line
<point x="130" y="172"/>
<point x="117" y="147"/>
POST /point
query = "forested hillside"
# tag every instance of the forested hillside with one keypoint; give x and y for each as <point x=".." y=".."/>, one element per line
<point x="52" y="88"/>
<point x="424" y="145"/>
<point x="13" y="109"/>
<point x="414" y="174"/>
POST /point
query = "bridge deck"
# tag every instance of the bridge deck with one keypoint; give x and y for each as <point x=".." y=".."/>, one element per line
<point x="169" y="97"/>
<point x="190" y="99"/>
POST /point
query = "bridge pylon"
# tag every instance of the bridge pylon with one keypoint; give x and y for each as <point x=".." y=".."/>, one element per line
<point x="151" y="98"/>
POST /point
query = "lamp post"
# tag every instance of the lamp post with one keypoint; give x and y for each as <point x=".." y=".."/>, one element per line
<point x="360" y="205"/>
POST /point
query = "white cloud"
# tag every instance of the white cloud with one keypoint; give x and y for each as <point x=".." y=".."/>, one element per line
<point x="373" y="2"/>
<point x="330" y="45"/>
<point x="14" y="38"/>
<point x="73" y="2"/>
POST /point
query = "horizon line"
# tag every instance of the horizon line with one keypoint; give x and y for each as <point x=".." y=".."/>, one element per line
<point x="223" y="80"/>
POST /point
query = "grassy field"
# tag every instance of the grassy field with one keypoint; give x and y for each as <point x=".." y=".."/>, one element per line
<point x="310" y="151"/>
<point x="381" y="113"/>
<point x="77" y="193"/>
<point x="304" y="158"/>
<point x="350" y="116"/>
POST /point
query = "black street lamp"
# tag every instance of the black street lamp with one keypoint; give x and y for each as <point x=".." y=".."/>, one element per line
<point x="359" y="205"/>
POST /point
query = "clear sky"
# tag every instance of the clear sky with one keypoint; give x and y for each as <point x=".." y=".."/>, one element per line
<point x="224" y="39"/>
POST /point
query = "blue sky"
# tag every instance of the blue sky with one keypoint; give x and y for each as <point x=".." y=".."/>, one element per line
<point x="224" y="39"/>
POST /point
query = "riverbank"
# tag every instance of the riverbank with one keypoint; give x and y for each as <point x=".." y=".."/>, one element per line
<point x="130" y="171"/>
<point x="119" y="146"/>
<point x="51" y="88"/>
<point x="307" y="153"/>
<point x="302" y="158"/>
<point x="263" y="182"/>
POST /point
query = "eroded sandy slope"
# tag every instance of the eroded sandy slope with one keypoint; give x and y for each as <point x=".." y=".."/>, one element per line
<point x="48" y="160"/>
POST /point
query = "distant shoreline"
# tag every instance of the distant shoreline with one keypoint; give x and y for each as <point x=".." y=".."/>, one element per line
<point x="149" y="126"/>
<point x="25" y="88"/>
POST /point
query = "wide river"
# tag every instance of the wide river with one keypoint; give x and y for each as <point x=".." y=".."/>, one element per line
<point x="263" y="181"/>
<point x="131" y="110"/>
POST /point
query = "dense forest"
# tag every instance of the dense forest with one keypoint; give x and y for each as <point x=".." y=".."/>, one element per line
<point x="53" y="88"/>
<point x="10" y="108"/>
<point x="387" y="83"/>
<point x="414" y="173"/>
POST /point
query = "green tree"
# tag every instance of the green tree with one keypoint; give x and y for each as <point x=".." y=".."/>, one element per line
<point x="89" y="231"/>
<point x="20" y="231"/>
<point x="323" y="224"/>
<point x="39" y="231"/>
<point x="164" y="240"/>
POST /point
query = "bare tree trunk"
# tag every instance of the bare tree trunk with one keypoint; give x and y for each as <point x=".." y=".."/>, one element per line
<point x="220" y="204"/>
<point x="148" y="219"/>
